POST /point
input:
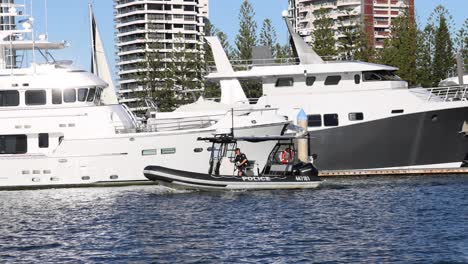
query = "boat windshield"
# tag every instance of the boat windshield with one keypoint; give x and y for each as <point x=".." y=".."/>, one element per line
<point x="372" y="76"/>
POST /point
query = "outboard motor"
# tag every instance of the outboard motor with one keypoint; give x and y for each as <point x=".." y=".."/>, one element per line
<point x="305" y="169"/>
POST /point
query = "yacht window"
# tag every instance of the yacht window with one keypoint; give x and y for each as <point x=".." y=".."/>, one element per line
<point x="314" y="120"/>
<point x="69" y="95"/>
<point x="166" y="151"/>
<point x="330" y="119"/>
<point x="284" y="82"/>
<point x="357" y="79"/>
<point x="56" y="96"/>
<point x="97" y="99"/>
<point x="91" y="94"/>
<point x="356" y="116"/>
<point x="43" y="140"/>
<point x="310" y="80"/>
<point x="333" y="80"/>
<point x="82" y="93"/>
<point x="37" y="97"/>
<point x="398" y="111"/>
<point x="372" y="76"/>
<point x="13" y="144"/>
<point x="9" y="98"/>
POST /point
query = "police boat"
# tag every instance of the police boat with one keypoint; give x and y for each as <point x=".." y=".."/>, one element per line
<point x="282" y="169"/>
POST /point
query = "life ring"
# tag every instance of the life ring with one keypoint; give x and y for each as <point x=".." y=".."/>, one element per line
<point x="287" y="155"/>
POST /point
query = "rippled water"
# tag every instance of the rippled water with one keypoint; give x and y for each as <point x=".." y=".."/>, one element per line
<point x="405" y="220"/>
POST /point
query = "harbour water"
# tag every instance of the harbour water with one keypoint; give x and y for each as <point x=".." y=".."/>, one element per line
<point x="381" y="219"/>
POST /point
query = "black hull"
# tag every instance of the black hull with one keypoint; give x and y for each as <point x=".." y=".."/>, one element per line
<point x="197" y="181"/>
<point x="419" y="139"/>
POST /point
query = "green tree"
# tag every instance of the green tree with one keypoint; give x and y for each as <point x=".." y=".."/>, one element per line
<point x="245" y="40"/>
<point x="268" y="36"/>
<point x="444" y="58"/>
<point x="186" y="68"/>
<point x="323" y="35"/>
<point x="424" y="55"/>
<point x="363" y="45"/>
<point x="462" y="41"/>
<point x="223" y="38"/>
<point x="247" y="36"/>
<point x="155" y="81"/>
<point x="400" y="49"/>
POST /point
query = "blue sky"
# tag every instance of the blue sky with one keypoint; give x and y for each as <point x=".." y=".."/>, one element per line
<point x="68" y="20"/>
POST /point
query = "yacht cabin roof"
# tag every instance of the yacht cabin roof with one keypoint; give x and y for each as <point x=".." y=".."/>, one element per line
<point x="52" y="76"/>
<point x="309" y="69"/>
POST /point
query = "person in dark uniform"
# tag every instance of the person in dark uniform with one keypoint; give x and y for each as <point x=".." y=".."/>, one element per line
<point x="241" y="162"/>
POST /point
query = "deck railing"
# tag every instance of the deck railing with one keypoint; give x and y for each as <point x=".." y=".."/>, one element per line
<point x="192" y="122"/>
<point x="449" y="94"/>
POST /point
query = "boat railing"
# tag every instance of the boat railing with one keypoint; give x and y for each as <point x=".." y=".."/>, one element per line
<point x="245" y="65"/>
<point x="449" y="94"/>
<point x="192" y="122"/>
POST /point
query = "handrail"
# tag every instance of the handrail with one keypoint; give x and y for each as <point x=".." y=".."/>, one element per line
<point x="449" y="94"/>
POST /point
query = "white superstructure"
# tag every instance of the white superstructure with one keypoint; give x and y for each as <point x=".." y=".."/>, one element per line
<point x="55" y="129"/>
<point x="362" y="115"/>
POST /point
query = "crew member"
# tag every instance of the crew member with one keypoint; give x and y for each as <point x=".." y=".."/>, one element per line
<point x="241" y="162"/>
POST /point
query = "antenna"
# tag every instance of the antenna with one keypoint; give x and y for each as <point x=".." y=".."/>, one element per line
<point x="46" y="21"/>
<point x="33" y="40"/>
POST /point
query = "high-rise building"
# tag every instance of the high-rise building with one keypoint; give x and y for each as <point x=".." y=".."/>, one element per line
<point x="376" y="15"/>
<point x="169" y="24"/>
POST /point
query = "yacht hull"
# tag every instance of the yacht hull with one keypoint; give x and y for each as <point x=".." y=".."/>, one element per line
<point x="121" y="159"/>
<point x="409" y="140"/>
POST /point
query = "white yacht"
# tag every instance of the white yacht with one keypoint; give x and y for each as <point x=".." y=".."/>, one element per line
<point x="362" y="115"/>
<point x="55" y="129"/>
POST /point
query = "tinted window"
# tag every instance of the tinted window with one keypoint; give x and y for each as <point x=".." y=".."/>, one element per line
<point x="35" y="97"/>
<point x="91" y="94"/>
<point x="9" y="98"/>
<point x="56" y="96"/>
<point x="380" y="76"/>
<point x="284" y="82"/>
<point x="333" y="80"/>
<point x="310" y="81"/>
<point x="357" y="79"/>
<point x="13" y="144"/>
<point x="43" y="140"/>
<point x="330" y="119"/>
<point x="82" y="93"/>
<point x="69" y="95"/>
<point x="356" y="116"/>
<point x="314" y="120"/>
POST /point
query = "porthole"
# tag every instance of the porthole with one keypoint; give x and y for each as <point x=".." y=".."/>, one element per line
<point x="209" y="149"/>
<point x="254" y="122"/>
<point x="36" y="179"/>
<point x="435" y="118"/>
<point x="198" y="150"/>
<point x="114" y="177"/>
<point x="54" y="179"/>
<point x="85" y="178"/>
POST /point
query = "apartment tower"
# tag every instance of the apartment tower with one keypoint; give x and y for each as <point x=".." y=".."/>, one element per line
<point x="142" y="24"/>
<point x="377" y="15"/>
